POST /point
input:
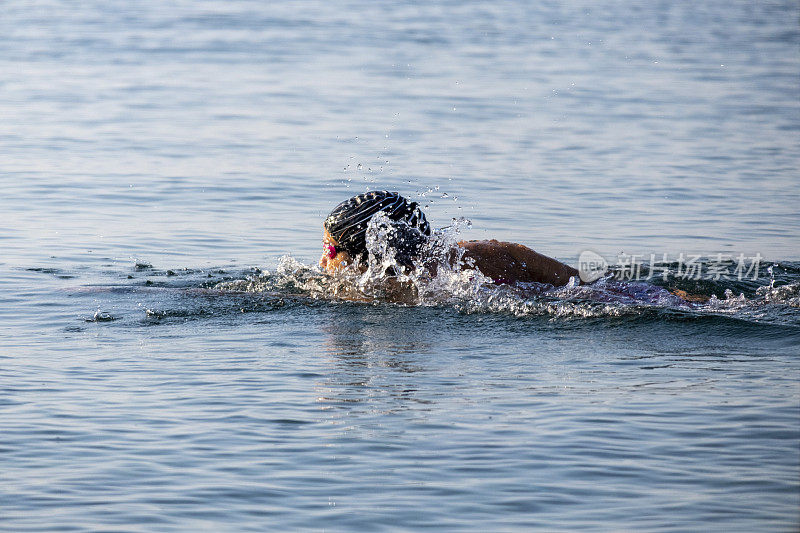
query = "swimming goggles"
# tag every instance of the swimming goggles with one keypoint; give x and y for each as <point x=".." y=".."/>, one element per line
<point x="330" y="250"/>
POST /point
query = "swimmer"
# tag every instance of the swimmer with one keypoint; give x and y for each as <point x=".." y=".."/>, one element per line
<point x="344" y="243"/>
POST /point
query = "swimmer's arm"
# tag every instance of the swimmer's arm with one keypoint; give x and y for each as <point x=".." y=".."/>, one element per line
<point x="695" y="298"/>
<point x="510" y="262"/>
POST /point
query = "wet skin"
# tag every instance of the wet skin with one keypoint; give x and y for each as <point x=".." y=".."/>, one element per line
<point x="504" y="262"/>
<point x="508" y="262"/>
<point x="336" y="263"/>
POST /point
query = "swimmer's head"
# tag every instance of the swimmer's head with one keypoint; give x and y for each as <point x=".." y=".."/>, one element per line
<point x="346" y="228"/>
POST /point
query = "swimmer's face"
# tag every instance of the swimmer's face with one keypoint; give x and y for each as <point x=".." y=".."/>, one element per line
<point x="333" y="259"/>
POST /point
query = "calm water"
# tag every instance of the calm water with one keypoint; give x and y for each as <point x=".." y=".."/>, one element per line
<point x="163" y="366"/>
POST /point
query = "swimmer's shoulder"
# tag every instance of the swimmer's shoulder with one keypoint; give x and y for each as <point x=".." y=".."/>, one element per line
<point x="494" y="246"/>
<point x="485" y="243"/>
<point x="516" y="262"/>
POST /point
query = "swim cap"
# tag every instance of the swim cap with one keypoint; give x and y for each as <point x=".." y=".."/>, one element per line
<point x="348" y="222"/>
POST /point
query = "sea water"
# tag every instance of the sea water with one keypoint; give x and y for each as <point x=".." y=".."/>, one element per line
<point x="171" y="358"/>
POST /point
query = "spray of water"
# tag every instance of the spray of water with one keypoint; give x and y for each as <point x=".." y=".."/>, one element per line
<point x="437" y="274"/>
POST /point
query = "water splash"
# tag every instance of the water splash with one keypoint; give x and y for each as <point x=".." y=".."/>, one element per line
<point x="445" y="278"/>
<point x="788" y="294"/>
<point x="101" y="316"/>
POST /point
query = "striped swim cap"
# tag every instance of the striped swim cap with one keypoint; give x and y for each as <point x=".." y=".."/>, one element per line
<point x="348" y="222"/>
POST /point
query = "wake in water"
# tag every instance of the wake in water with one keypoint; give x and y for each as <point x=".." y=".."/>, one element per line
<point x="453" y="282"/>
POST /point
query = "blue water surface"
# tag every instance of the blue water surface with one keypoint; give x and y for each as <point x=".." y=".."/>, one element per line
<point x="163" y="369"/>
